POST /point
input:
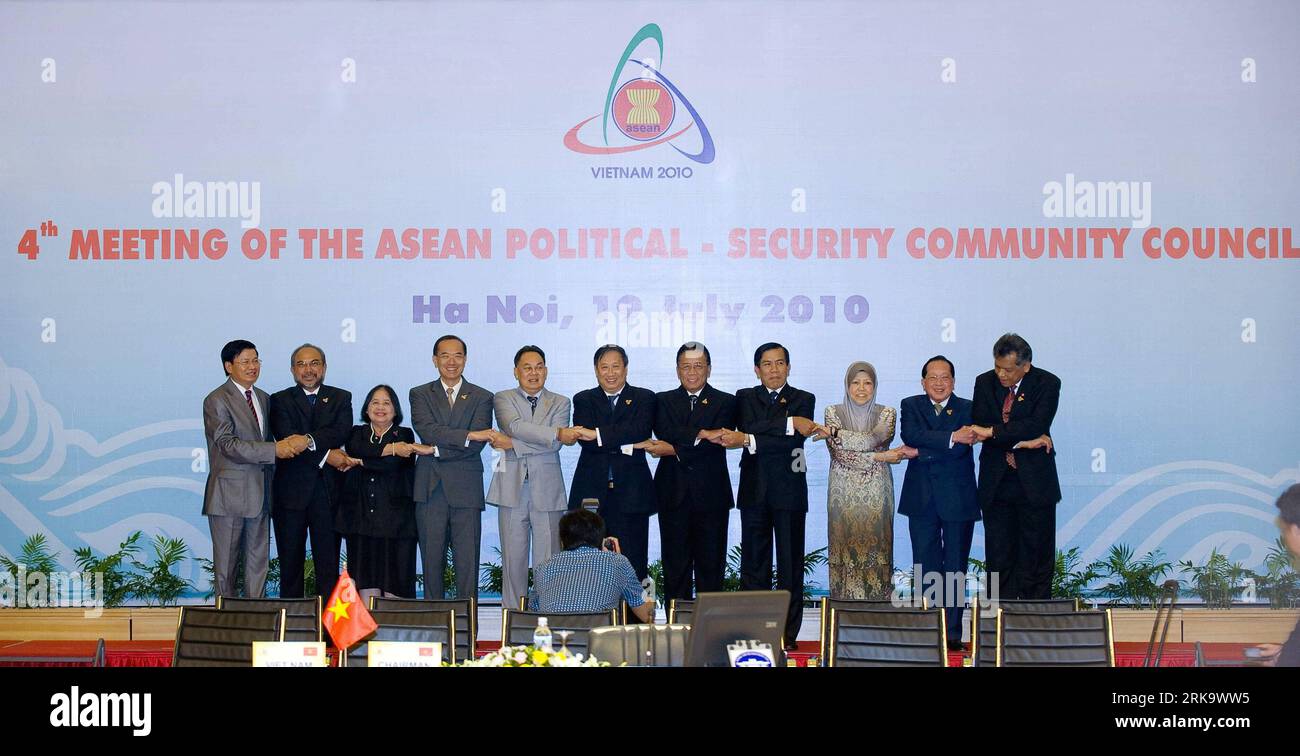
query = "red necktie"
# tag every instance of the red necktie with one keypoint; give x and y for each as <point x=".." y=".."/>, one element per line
<point x="248" y="394"/>
<point x="1006" y="415"/>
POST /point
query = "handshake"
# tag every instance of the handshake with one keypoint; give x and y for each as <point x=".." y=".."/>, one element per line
<point x="973" y="434"/>
<point x="571" y="436"/>
<point x="291" y="446"/>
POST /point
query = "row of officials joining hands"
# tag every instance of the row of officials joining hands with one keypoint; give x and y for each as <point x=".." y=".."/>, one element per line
<point x="295" y="461"/>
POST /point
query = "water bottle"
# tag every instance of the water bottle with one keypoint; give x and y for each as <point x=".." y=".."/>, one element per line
<point x="542" y="635"/>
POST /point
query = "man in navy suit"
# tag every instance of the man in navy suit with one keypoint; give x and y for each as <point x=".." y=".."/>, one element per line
<point x="612" y="419"/>
<point x="939" y="495"/>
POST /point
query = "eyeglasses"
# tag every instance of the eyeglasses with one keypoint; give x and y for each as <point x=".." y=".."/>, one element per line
<point x="314" y="363"/>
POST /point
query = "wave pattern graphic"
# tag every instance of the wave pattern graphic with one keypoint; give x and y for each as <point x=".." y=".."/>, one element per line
<point x="99" y="506"/>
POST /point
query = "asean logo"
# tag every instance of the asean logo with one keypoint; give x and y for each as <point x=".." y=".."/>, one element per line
<point x="643" y="109"/>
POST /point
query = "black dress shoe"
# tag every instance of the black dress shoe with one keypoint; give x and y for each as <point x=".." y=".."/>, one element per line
<point x="792" y="647"/>
<point x="957" y="646"/>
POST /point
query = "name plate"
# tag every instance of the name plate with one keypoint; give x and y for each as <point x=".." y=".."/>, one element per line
<point x="751" y="653"/>
<point x="289" y="654"/>
<point x="404" y="654"/>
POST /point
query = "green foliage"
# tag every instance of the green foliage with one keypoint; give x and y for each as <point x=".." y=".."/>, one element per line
<point x="1135" y="583"/>
<point x="1279" y="583"/>
<point x="156" y="580"/>
<point x="1068" y="581"/>
<point x="656" y="572"/>
<point x="811" y="560"/>
<point x="33" y="556"/>
<point x="1217" y="582"/>
<point x="115" y="568"/>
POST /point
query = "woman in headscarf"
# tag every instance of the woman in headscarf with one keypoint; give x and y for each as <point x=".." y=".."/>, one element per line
<point x="860" y="492"/>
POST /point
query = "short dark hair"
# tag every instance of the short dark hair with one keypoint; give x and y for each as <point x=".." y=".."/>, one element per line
<point x="1011" y="343"/>
<point x="925" y="368"/>
<point x="769" y="346"/>
<point x="463" y="347"/>
<point x="601" y="352"/>
<point x="694" y="346"/>
<point x="294" y="354"/>
<point x="1288" y="505"/>
<point x="580" y="527"/>
<point x="397" y="406"/>
<point x="231" y="350"/>
<point x="525" y="350"/>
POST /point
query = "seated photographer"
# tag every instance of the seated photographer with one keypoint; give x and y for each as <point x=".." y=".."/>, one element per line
<point x="589" y="575"/>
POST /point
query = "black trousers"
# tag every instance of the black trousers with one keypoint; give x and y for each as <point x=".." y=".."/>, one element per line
<point x="631" y="529"/>
<point x="940" y="548"/>
<point x="292" y="527"/>
<point x="758" y="526"/>
<point x="1020" y="542"/>
<point x="693" y="542"/>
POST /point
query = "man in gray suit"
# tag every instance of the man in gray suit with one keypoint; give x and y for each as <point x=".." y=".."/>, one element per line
<point x="241" y="461"/>
<point x="455" y="417"/>
<point x="527" y="484"/>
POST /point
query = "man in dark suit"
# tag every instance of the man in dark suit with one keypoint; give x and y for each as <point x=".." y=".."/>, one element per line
<point x="455" y="417"/>
<point x="692" y="482"/>
<point x="612" y="419"/>
<point x="306" y="486"/>
<point x="939" y="497"/>
<point x="773" y="421"/>
<point x="241" y="457"/>
<point x="1014" y="404"/>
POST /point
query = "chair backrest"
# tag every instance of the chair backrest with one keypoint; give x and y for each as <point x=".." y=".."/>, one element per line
<point x="680" y="611"/>
<point x="302" y="616"/>
<point x="412" y="626"/>
<point x="640" y="645"/>
<point x="210" y="637"/>
<point x="984" y="629"/>
<point x="1059" y="639"/>
<point x="466" y="617"/>
<point x="888" y="638"/>
<point x="828" y="603"/>
<point x="517" y="627"/>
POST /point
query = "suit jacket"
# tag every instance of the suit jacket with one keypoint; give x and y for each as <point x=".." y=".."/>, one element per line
<point x="770" y="478"/>
<point x="536" y="452"/>
<point x="632" y="422"/>
<point x="329" y="422"/>
<point x="698" y="470"/>
<point x="240" y="456"/>
<point x="458" y="466"/>
<point x="1031" y="416"/>
<point x="939" y="479"/>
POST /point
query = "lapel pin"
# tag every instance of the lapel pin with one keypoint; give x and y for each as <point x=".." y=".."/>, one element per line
<point x="627" y="402"/>
<point x="1020" y="398"/>
<point x="704" y="401"/>
<point x="783" y="400"/>
<point x="464" y="396"/>
<point x="949" y="411"/>
<point x="325" y="399"/>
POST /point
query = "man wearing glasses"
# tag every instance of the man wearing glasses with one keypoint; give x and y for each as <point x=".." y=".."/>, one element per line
<point x="241" y="458"/>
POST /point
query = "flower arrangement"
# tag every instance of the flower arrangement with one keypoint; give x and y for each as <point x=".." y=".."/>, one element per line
<point x="531" y="656"/>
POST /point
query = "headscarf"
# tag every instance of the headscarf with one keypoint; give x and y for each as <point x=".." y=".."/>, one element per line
<point x="859" y="417"/>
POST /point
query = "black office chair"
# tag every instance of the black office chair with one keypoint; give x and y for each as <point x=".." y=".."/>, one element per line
<point x="640" y="645"/>
<point x="517" y="627"/>
<point x="1062" y="639"/>
<point x="888" y="638"/>
<point x="828" y="603"/>
<point x="411" y="626"/>
<point x="302" y="616"/>
<point x="984" y="622"/>
<point x="680" y="611"/>
<point x="210" y="637"/>
<point x="466" y="617"/>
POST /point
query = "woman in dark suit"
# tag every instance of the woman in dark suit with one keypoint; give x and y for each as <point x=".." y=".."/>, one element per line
<point x="376" y="514"/>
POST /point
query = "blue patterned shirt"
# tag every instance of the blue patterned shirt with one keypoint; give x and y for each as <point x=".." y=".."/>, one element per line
<point x="585" y="580"/>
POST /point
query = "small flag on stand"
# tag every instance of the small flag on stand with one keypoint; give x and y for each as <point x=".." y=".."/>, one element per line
<point x="346" y="618"/>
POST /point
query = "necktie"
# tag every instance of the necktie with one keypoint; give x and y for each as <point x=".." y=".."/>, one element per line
<point x="613" y="403"/>
<point x="694" y="399"/>
<point x="311" y="399"/>
<point x="938" y="407"/>
<point x="248" y="394"/>
<point x="532" y="400"/>
<point x="451" y="398"/>
<point x="771" y="397"/>
<point x="1006" y="415"/>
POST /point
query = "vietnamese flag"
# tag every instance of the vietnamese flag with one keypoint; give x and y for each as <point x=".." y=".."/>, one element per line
<point x="346" y="617"/>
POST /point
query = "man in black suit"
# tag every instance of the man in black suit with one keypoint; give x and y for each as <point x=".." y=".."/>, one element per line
<point x="939" y="497"/>
<point x="307" y="487"/>
<point x="1014" y="404"/>
<point x="612" y="419"/>
<point x="773" y="420"/>
<point x="692" y="482"/>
